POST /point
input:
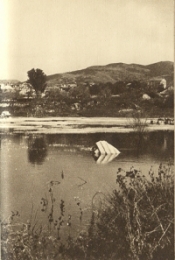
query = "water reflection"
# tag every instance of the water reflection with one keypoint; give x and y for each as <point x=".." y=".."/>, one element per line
<point x="141" y="141"/>
<point x="37" y="149"/>
<point x="157" y="145"/>
<point x="105" y="158"/>
<point x="165" y="142"/>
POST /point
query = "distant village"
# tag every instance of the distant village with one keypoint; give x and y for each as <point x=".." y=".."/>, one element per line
<point x="24" y="89"/>
<point x="18" y="94"/>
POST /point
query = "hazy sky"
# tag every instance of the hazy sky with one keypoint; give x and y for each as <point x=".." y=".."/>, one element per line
<point x="65" y="35"/>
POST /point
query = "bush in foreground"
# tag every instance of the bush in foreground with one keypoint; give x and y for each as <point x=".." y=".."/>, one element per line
<point x="138" y="221"/>
<point x="135" y="222"/>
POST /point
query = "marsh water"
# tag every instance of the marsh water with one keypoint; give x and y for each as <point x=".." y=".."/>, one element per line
<point x="45" y="172"/>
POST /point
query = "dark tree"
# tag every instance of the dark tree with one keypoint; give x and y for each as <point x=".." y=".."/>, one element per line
<point x="118" y="87"/>
<point x="37" y="149"/>
<point x="37" y="79"/>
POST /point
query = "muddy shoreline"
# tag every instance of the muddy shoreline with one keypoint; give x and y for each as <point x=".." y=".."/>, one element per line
<point x="75" y="125"/>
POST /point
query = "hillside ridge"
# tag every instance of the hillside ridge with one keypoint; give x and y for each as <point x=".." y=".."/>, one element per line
<point x="115" y="72"/>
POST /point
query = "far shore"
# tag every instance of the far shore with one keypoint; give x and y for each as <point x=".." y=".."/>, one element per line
<point x="54" y="125"/>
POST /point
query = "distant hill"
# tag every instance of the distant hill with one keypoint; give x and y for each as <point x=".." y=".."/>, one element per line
<point x="115" y="72"/>
<point x="10" y="81"/>
<point x="161" y="68"/>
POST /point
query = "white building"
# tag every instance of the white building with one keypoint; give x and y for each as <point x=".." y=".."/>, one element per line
<point x="6" y="87"/>
<point x="163" y="82"/>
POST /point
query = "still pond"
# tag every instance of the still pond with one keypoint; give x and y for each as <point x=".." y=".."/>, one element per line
<point x="56" y="173"/>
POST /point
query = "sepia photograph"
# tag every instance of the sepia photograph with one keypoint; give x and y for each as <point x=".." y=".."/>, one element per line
<point x="87" y="129"/>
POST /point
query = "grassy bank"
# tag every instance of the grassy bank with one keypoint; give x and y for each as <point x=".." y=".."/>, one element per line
<point x="136" y="221"/>
<point x="42" y="108"/>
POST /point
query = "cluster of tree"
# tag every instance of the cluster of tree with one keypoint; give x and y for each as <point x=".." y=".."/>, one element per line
<point x="37" y="78"/>
<point x="115" y="88"/>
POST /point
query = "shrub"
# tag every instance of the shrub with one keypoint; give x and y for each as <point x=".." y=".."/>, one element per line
<point x="135" y="222"/>
<point x="169" y="101"/>
<point x="139" y="122"/>
<point x="138" y="221"/>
